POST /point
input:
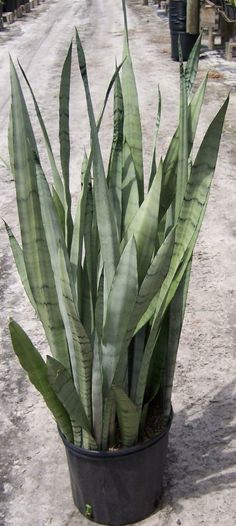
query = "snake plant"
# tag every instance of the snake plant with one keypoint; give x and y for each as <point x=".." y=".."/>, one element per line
<point x="109" y="285"/>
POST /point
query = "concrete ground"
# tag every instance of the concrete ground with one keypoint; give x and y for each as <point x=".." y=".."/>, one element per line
<point x="200" y="477"/>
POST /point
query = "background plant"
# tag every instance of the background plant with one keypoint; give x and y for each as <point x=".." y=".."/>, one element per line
<point x="109" y="285"/>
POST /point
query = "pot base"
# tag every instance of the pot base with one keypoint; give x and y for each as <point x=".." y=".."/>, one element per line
<point x="118" y="487"/>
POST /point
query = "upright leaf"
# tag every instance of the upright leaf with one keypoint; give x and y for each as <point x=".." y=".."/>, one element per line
<point x="105" y="219"/>
<point x="132" y="123"/>
<point x="64" y="137"/>
<point x="20" y="264"/>
<point x="130" y="192"/>
<point x="158" y="121"/>
<point x="183" y="152"/>
<point x="62" y="383"/>
<point x="35" y="251"/>
<point x="128" y="417"/>
<point x="97" y="396"/>
<point x="36" y="368"/>
<point x="144" y="226"/>
<point x="171" y="158"/>
<point x="175" y="322"/>
<point x="152" y="283"/>
<point x="191" y="68"/>
<point x="78" y="231"/>
<point x="121" y="301"/>
<point x="114" y="176"/>
<point x="55" y="173"/>
<point x="78" y="342"/>
<point x="187" y="230"/>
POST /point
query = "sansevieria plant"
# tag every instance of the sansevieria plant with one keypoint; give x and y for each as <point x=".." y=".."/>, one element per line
<point x="110" y="284"/>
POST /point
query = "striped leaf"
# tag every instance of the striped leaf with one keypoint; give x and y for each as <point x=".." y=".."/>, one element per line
<point x="63" y="385"/>
<point x="105" y="219"/>
<point x="78" y="342"/>
<point x="187" y="230"/>
<point x="183" y="150"/>
<point x="60" y="210"/>
<point x="64" y="138"/>
<point x="191" y="68"/>
<point x="136" y="355"/>
<point x="152" y="283"/>
<point x="107" y="415"/>
<point x="90" y="258"/>
<point x="112" y="82"/>
<point x="78" y="231"/>
<point x="82" y="346"/>
<point x="10" y="144"/>
<point x="132" y="123"/>
<point x="121" y="301"/>
<point x="197" y="192"/>
<point x="175" y="322"/>
<point x="55" y="173"/>
<point x="158" y="121"/>
<point x="114" y="176"/>
<point x="130" y="194"/>
<point x="97" y="396"/>
<point x="36" y="368"/>
<point x="144" y="226"/>
<point x="128" y="417"/>
<point x="156" y="367"/>
<point x="171" y="158"/>
<point x="20" y="264"/>
<point x="36" y="256"/>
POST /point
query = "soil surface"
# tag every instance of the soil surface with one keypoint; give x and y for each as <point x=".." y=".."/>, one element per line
<point x="200" y="477"/>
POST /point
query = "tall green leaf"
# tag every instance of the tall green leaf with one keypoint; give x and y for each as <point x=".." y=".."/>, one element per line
<point x="97" y="396"/>
<point x="171" y="158"/>
<point x="187" y="230"/>
<point x="34" y="245"/>
<point x="121" y="301"/>
<point x="90" y="260"/>
<point x="36" y="368"/>
<point x="175" y="322"/>
<point x="191" y="68"/>
<point x="55" y="173"/>
<point x="10" y="143"/>
<point x="132" y="123"/>
<point x="64" y="138"/>
<point x="105" y="219"/>
<point x="183" y="150"/>
<point x="79" y="224"/>
<point x="20" y="264"/>
<point x="144" y="226"/>
<point x="62" y="383"/>
<point x="158" y="121"/>
<point x="152" y="283"/>
<point x="130" y="193"/>
<point x="78" y="232"/>
<point x="78" y="343"/>
<point x="114" y="176"/>
<point x="128" y="417"/>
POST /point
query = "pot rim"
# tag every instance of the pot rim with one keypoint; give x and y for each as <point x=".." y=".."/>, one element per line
<point x="80" y="451"/>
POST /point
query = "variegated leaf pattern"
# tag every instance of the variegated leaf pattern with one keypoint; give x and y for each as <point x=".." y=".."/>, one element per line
<point x="110" y="289"/>
<point x="36" y="368"/>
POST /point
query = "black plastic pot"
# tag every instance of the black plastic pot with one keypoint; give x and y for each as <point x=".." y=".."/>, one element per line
<point x="230" y="11"/>
<point x="119" y="487"/>
<point x="177" y="15"/>
<point x="187" y="41"/>
<point x="9" y="6"/>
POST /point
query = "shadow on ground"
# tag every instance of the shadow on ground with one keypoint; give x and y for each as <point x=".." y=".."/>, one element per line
<point x="201" y="456"/>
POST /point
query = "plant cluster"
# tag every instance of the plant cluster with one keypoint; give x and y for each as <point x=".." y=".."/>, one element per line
<point x="109" y="285"/>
